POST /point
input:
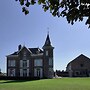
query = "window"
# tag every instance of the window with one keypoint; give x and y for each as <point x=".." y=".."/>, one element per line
<point x="24" y="63"/>
<point x="11" y="72"/>
<point x="38" y="72"/>
<point x="24" y="72"/>
<point x="11" y="62"/>
<point x="38" y="62"/>
<point x="50" y="61"/>
<point x="46" y="53"/>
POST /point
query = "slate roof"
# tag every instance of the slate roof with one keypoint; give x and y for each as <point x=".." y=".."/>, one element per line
<point x="47" y="42"/>
<point x="33" y="51"/>
<point x="15" y="53"/>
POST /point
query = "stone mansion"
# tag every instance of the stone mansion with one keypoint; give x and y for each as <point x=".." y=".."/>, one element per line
<point x="31" y="62"/>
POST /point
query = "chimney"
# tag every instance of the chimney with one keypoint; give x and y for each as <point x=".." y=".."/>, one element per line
<point x="19" y="47"/>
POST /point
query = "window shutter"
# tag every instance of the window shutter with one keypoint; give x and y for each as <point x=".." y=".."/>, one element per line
<point x="21" y="72"/>
<point x="35" y="72"/>
<point x="21" y="63"/>
<point x="27" y="72"/>
<point x="27" y="63"/>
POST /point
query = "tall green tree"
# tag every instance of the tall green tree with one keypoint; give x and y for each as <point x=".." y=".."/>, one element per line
<point x="73" y="10"/>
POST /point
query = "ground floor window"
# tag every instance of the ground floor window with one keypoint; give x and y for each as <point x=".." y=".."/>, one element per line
<point x="38" y="72"/>
<point x="11" y="72"/>
<point x="24" y="72"/>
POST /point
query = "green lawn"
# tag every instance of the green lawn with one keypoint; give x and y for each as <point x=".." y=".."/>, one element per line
<point x="47" y="84"/>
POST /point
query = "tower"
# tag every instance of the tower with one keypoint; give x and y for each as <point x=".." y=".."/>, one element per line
<point x="48" y="58"/>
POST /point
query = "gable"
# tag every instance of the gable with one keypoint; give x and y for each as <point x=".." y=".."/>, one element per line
<point x="34" y="51"/>
<point x="24" y="49"/>
<point x="81" y="59"/>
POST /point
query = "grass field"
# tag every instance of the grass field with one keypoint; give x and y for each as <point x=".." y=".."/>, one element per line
<point x="47" y="84"/>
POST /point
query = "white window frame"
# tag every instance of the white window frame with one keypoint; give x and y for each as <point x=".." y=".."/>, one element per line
<point x="27" y="72"/>
<point x="21" y="63"/>
<point x="21" y="72"/>
<point x="51" y="61"/>
<point x="24" y="63"/>
<point x="11" y="72"/>
<point x="11" y="63"/>
<point x="46" y="52"/>
<point x="36" y="72"/>
<point x="27" y="63"/>
<point x="38" y="62"/>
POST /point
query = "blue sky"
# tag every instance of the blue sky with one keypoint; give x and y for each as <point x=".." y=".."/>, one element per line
<point x="16" y="28"/>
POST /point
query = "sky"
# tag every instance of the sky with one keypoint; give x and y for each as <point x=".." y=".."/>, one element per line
<point x="31" y="30"/>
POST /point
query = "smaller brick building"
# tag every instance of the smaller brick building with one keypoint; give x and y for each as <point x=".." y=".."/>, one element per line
<point x="79" y="67"/>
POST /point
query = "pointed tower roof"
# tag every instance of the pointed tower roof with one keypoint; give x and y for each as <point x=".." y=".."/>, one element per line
<point x="47" y="42"/>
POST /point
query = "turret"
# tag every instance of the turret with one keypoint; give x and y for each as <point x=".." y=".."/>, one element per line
<point x="48" y="57"/>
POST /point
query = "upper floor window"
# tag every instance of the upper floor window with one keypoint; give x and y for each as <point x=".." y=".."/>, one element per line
<point x="38" y="62"/>
<point x="24" y="63"/>
<point x="50" y="61"/>
<point x="46" y="53"/>
<point x="11" y="62"/>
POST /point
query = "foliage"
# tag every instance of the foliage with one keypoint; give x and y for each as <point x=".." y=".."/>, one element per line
<point x="47" y="84"/>
<point x="73" y="10"/>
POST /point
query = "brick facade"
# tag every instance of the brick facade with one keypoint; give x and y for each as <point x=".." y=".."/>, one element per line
<point x="79" y="67"/>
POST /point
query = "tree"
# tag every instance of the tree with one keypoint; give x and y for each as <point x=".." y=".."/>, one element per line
<point x="73" y="10"/>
